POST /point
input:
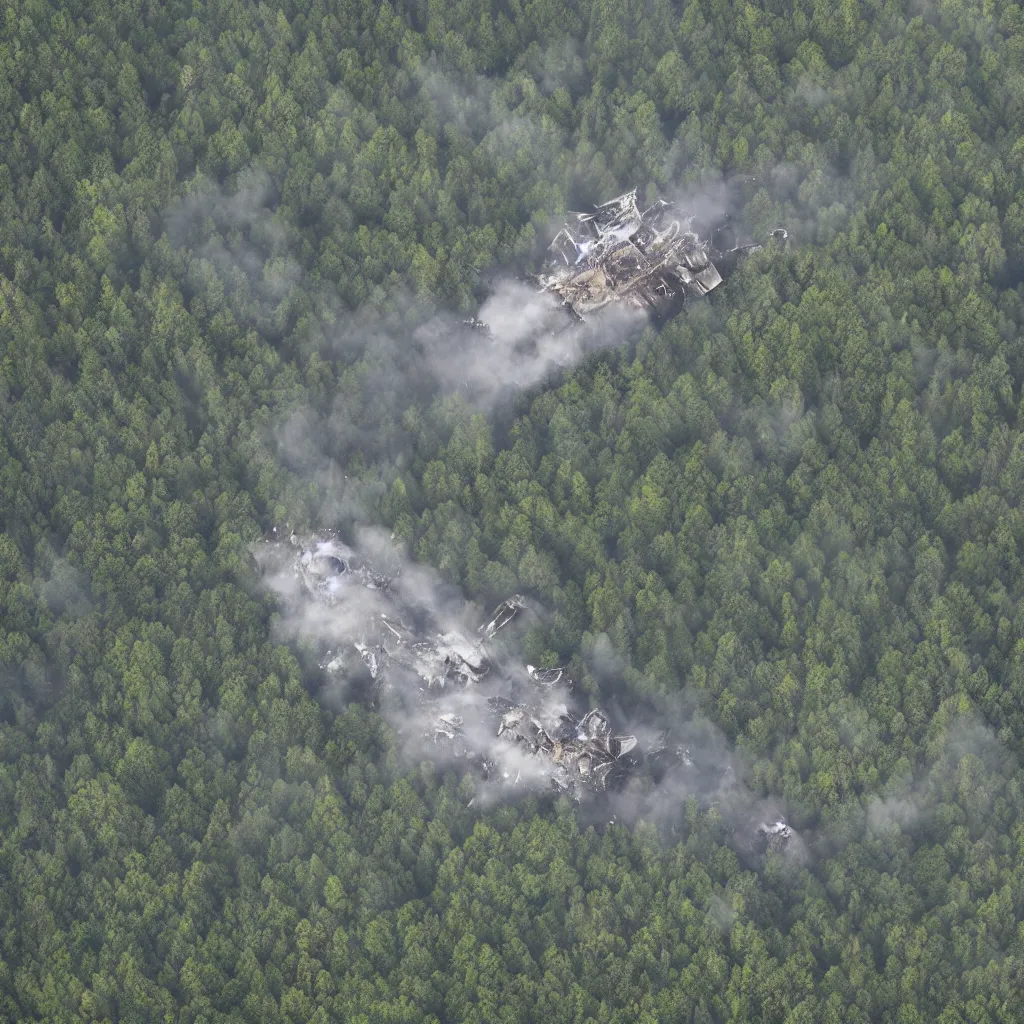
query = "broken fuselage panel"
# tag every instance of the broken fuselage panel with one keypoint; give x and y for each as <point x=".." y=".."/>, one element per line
<point x="328" y="569"/>
<point x="580" y="752"/>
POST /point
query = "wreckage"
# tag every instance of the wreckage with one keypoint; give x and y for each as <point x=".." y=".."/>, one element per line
<point x="444" y="675"/>
<point x="511" y="724"/>
<point x="327" y="570"/>
<point x="375" y="633"/>
<point x="648" y="260"/>
<point x="444" y="660"/>
<point x="583" y="751"/>
<point x="774" y="836"/>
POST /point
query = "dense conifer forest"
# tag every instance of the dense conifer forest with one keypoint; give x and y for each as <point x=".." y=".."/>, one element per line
<point x="795" y="507"/>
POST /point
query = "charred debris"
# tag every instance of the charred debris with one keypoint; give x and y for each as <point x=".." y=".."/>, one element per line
<point x="773" y="836"/>
<point x="460" y="693"/>
<point x="457" y="688"/>
<point x="650" y="260"/>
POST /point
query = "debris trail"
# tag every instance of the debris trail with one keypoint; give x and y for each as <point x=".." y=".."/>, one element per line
<point x="458" y="694"/>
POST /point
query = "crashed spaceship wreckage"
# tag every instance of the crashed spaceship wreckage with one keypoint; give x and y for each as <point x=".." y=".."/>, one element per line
<point x="445" y="672"/>
<point x="506" y="725"/>
<point x="648" y="260"/>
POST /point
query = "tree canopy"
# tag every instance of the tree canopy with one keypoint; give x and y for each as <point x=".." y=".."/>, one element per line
<point x="799" y="503"/>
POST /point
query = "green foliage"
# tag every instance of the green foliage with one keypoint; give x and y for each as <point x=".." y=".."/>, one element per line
<point x="800" y="503"/>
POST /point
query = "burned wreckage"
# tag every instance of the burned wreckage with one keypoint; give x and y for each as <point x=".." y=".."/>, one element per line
<point x="457" y="691"/>
<point x="618" y="254"/>
<point x="649" y="260"/>
<point x="773" y="836"/>
<point x="513" y="724"/>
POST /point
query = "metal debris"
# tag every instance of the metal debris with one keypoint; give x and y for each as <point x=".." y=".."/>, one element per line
<point x="580" y="752"/>
<point x="438" y="676"/>
<point x="665" y="753"/>
<point x="618" y="254"/>
<point x="503" y="615"/>
<point x="447" y="726"/>
<point x="546" y="677"/>
<point x="774" y="835"/>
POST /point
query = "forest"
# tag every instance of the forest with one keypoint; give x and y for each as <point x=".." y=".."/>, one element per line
<point x="794" y="509"/>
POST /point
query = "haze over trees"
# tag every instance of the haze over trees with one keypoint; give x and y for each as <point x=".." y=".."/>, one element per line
<point x="800" y="503"/>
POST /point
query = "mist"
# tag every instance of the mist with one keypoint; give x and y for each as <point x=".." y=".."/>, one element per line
<point x="403" y="354"/>
<point x="417" y="598"/>
<point x="710" y="774"/>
